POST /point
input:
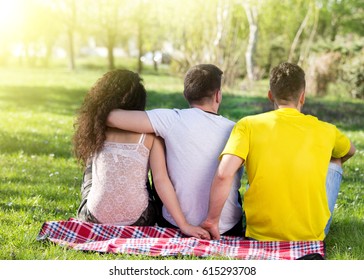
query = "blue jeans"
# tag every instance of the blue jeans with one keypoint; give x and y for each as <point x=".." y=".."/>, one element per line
<point x="333" y="181"/>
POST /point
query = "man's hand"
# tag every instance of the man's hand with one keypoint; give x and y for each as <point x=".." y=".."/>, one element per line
<point x="220" y="189"/>
<point x="212" y="228"/>
<point x="194" y="231"/>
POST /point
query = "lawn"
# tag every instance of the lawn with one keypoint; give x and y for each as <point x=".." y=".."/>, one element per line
<point x="40" y="179"/>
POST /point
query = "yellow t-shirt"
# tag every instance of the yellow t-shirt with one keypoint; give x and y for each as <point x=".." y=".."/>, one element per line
<point x="286" y="157"/>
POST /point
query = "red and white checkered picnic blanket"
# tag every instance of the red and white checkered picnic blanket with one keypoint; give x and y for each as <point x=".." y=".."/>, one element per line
<point x="158" y="241"/>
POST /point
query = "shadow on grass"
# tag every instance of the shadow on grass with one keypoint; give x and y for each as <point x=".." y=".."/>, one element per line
<point x="57" y="100"/>
<point x="60" y="100"/>
<point x="37" y="213"/>
<point x="165" y="100"/>
<point x="33" y="143"/>
<point x="58" y="202"/>
<point x="346" y="115"/>
<point x="233" y="107"/>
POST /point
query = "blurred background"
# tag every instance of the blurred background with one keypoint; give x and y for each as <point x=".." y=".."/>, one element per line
<point x="53" y="51"/>
<point x="244" y="38"/>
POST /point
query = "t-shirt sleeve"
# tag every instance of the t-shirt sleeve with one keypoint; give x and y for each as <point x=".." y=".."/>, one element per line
<point x="238" y="143"/>
<point x="341" y="146"/>
<point x="162" y="120"/>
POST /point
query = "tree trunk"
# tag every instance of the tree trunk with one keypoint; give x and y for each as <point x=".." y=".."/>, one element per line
<point x="140" y="48"/>
<point x="334" y="29"/>
<point x="70" y="33"/>
<point x="48" y="54"/>
<point x="222" y="25"/>
<point x="252" y="16"/>
<point x="110" y="49"/>
<point x="29" y="55"/>
<point x="222" y="12"/>
<point x="110" y="57"/>
<point x="298" y="35"/>
<point x="71" y="49"/>
<point x="226" y="42"/>
<point x="304" y="54"/>
<point x="155" y="62"/>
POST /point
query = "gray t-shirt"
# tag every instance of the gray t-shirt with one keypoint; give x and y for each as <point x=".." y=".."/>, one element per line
<point x="194" y="140"/>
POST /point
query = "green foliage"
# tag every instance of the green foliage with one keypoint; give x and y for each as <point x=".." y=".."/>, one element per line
<point x="352" y="73"/>
<point x="40" y="179"/>
<point x="343" y="61"/>
<point x="190" y="32"/>
<point x="341" y="17"/>
<point x="278" y="24"/>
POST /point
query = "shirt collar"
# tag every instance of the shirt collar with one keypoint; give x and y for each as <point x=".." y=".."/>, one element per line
<point x="288" y="111"/>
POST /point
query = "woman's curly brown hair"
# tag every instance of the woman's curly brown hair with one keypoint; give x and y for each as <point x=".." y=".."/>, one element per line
<point x="117" y="89"/>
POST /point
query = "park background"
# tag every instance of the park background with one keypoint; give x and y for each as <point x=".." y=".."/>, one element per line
<point x="53" y="51"/>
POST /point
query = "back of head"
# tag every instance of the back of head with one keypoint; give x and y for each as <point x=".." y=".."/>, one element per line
<point x="201" y="82"/>
<point x="287" y="82"/>
<point x="117" y="89"/>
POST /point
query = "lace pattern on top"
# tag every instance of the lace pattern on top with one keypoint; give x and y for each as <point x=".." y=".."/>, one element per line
<point x="118" y="195"/>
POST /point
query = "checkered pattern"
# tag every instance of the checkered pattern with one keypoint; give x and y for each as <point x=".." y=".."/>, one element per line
<point x="157" y="241"/>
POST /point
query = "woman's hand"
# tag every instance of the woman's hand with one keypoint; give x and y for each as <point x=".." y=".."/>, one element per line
<point x="195" y="231"/>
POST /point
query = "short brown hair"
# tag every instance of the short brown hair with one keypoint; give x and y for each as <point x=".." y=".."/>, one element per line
<point x="287" y="81"/>
<point x="201" y="81"/>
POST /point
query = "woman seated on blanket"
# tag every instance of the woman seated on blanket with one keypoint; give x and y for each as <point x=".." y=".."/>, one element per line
<point x="114" y="189"/>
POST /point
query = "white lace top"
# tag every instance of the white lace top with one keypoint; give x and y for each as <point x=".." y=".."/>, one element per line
<point x="118" y="195"/>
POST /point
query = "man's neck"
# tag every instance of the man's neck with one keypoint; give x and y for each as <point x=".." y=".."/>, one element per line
<point x="206" y="108"/>
<point x="291" y="106"/>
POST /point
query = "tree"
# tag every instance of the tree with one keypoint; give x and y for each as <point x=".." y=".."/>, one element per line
<point x="307" y="23"/>
<point x="147" y="25"/>
<point x="111" y="17"/>
<point x="34" y="30"/>
<point x="67" y="15"/>
<point x="251" y="11"/>
<point x="209" y="32"/>
<point x="155" y="18"/>
<point x="341" y="17"/>
<point x="298" y="34"/>
<point x="192" y="32"/>
<point x="230" y="40"/>
<point x="305" y="52"/>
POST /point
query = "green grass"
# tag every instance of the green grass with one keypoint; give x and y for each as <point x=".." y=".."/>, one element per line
<point x="40" y="179"/>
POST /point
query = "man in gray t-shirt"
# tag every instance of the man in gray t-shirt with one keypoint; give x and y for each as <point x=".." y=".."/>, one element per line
<point x="194" y="139"/>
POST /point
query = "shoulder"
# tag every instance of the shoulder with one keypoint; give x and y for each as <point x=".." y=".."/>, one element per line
<point x="161" y="111"/>
<point x="149" y="139"/>
<point x="320" y="123"/>
<point x="255" y="118"/>
<point x="163" y="120"/>
<point x="164" y="113"/>
<point x="331" y="131"/>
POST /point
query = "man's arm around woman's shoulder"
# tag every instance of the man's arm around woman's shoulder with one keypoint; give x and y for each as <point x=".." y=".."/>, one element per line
<point x="136" y="121"/>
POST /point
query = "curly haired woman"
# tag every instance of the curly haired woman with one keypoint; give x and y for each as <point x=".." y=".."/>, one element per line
<point x="114" y="189"/>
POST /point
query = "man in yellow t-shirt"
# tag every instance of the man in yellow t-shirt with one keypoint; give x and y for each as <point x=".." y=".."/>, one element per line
<point x="293" y="162"/>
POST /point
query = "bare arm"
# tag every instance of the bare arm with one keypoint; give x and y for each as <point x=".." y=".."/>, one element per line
<point x="349" y="154"/>
<point x="136" y="121"/>
<point x="167" y="193"/>
<point x="220" y="190"/>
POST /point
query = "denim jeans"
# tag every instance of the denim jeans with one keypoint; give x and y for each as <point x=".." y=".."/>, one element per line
<point x="333" y="181"/>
